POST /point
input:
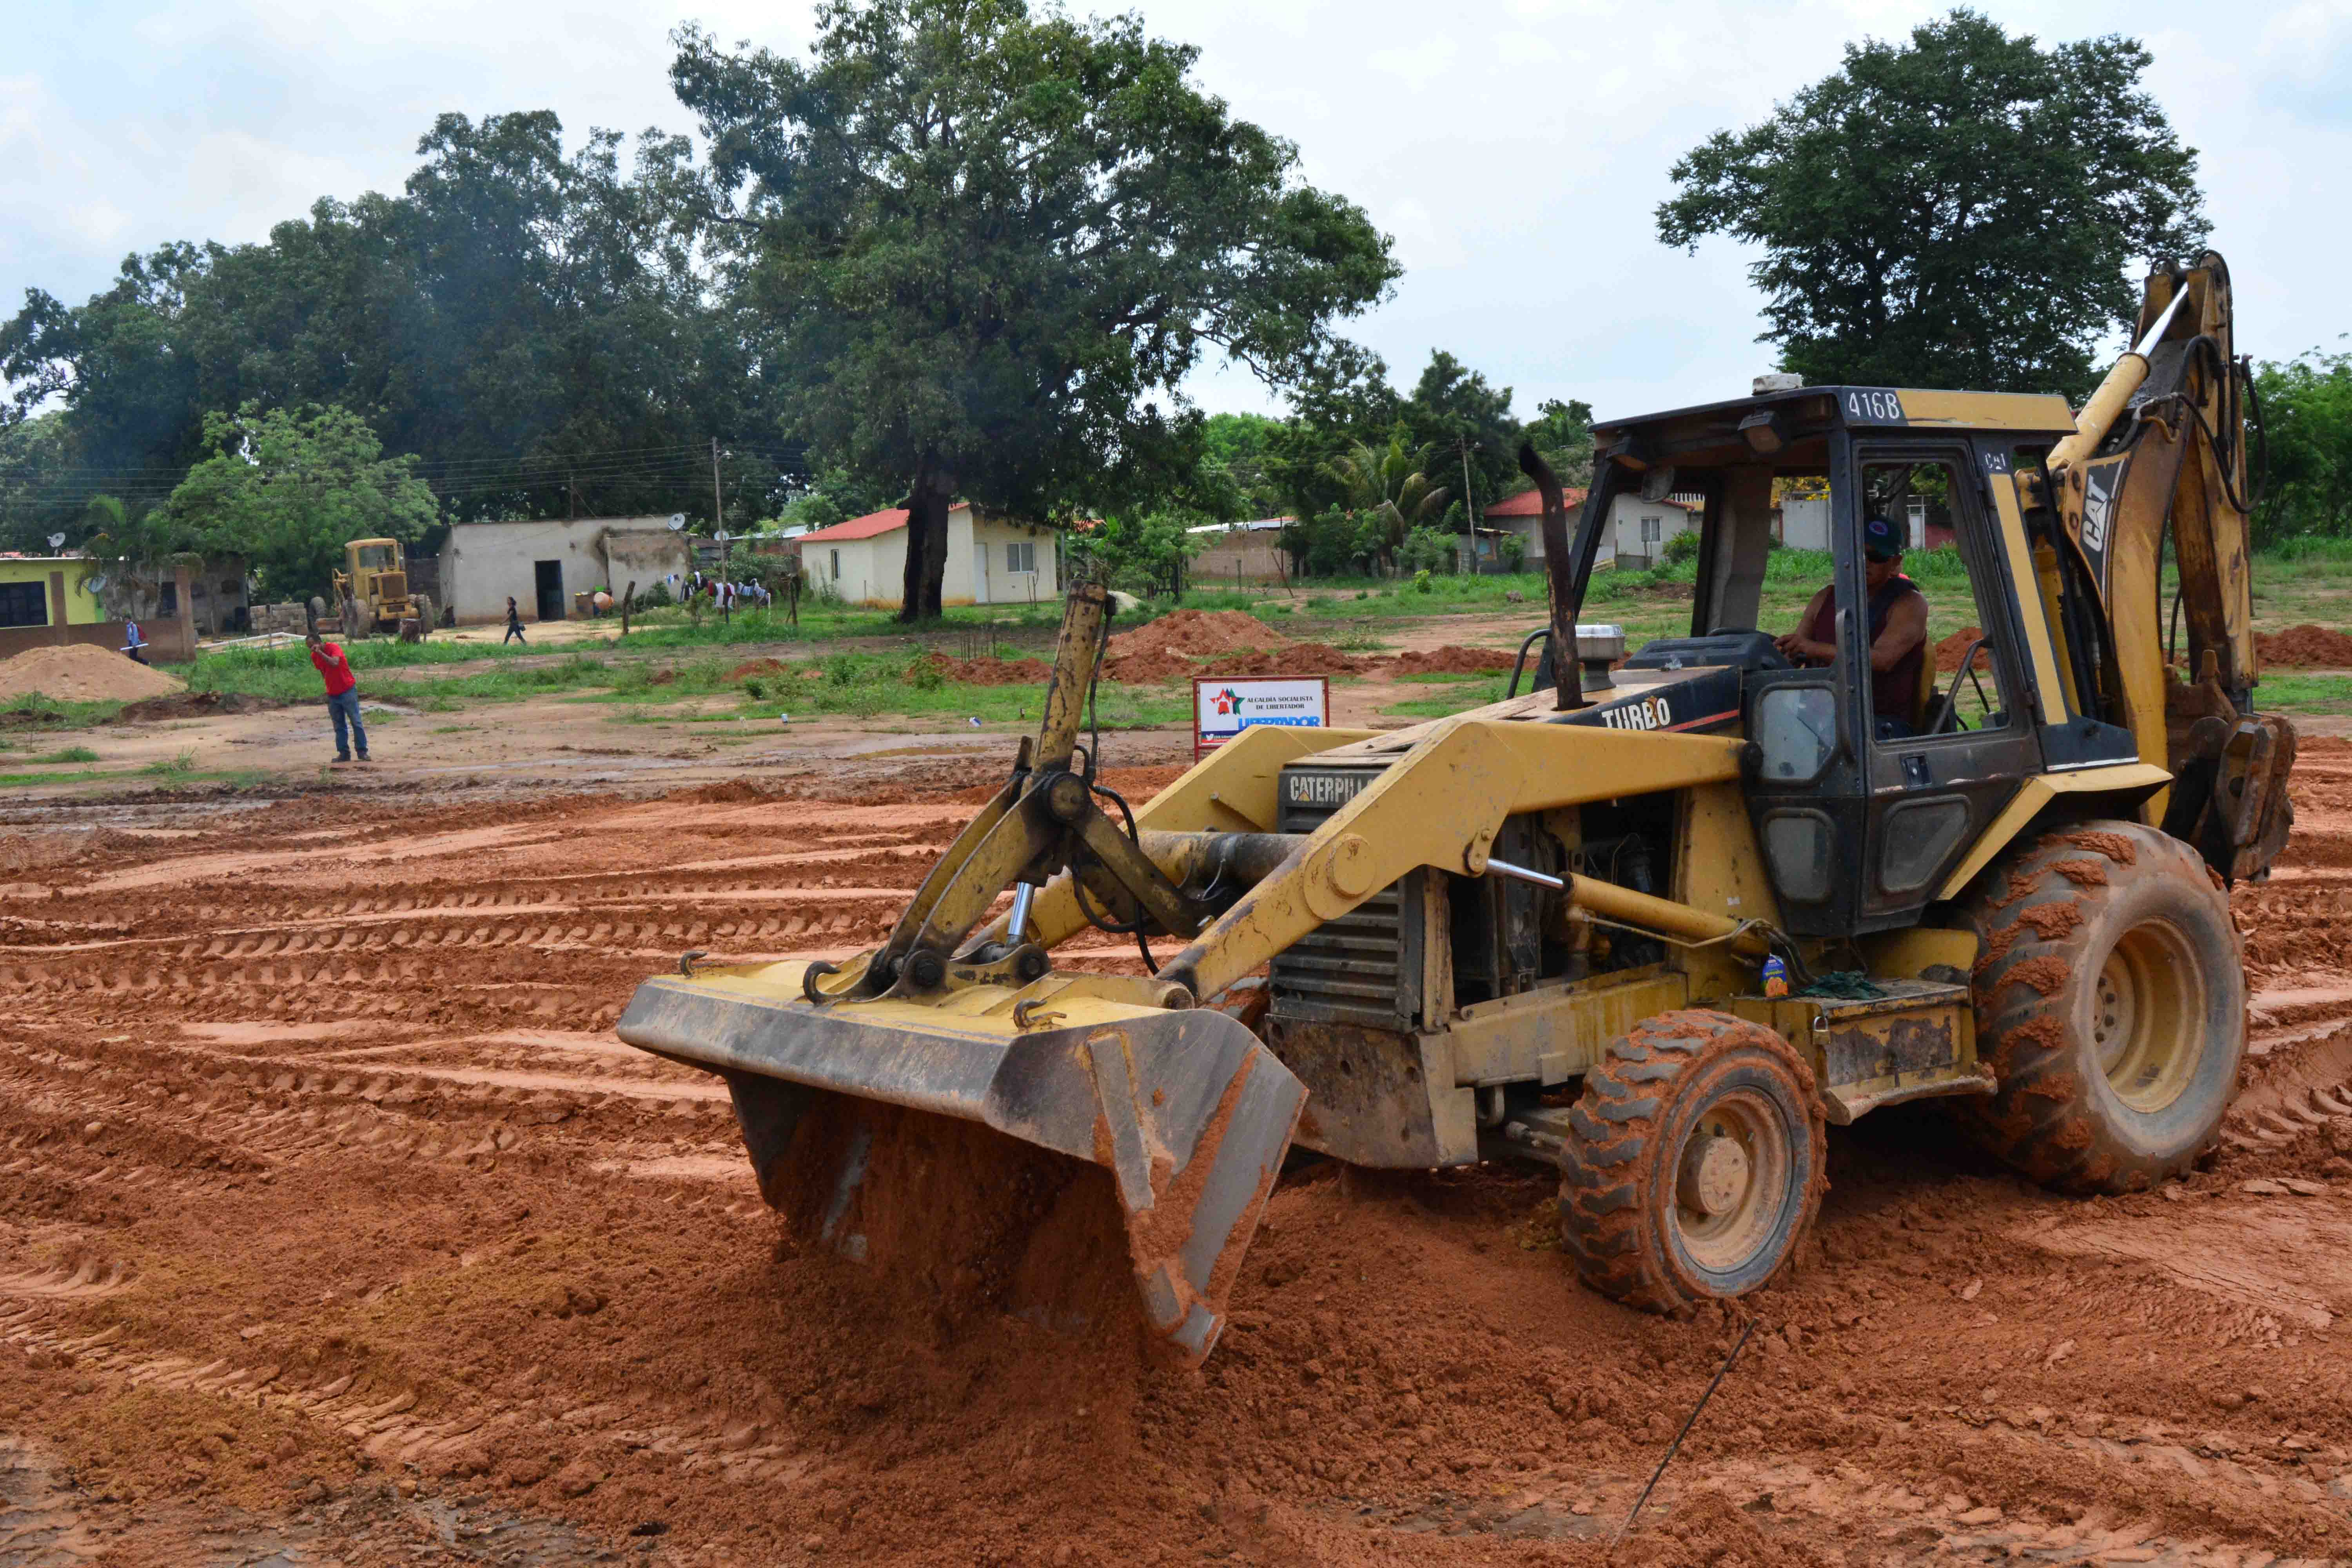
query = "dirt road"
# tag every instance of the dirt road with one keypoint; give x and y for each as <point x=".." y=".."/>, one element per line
<point x="335" y="1227"/>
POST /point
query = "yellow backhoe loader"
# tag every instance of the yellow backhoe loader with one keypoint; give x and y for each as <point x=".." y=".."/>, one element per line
<point x="372" y="592"/>
<point x="1654" y="924"/>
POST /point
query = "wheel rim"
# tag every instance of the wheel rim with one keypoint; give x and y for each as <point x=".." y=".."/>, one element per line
<point x="2148" y="1013"/>
<point x="1731" y="1177"/>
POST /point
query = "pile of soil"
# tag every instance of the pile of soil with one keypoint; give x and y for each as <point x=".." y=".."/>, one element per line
<point x="1948" y="651"/>
<point x="195" y="705"/>
<point x="81" y="673"/>
<point x="2310" y="646"/>
<point x="1453" y="659"/>
<point x="988" y="671"/>
<point x="1199" y="633"/>
<point x="1299" y="658"/>
<point x="759" y="666"/>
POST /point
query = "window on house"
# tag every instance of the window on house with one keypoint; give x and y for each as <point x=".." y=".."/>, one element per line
<point x="1021" y="557"/>
<point x="836" y="563"/>
<point x="24" y="605"/>
<point x="1650" y="526"/>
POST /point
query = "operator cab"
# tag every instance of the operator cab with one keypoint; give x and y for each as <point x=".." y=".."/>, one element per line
<point x="1867" y="777"/>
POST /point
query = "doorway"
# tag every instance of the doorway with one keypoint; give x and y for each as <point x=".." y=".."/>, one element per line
<point x="550" y="580"/>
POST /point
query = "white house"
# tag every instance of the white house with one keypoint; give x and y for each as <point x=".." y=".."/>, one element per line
<point x="1636" y="535"/>
<point x="541" y="564"/>
<point x="991" y="560"/>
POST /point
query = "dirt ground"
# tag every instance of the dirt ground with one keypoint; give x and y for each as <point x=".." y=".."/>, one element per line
<point x="337" y="1227"/>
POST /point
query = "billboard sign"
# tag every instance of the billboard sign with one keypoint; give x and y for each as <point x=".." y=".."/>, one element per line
<point x="1223" y="709"/>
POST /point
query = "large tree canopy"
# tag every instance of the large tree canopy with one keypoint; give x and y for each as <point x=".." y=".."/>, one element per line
<point x="991" y="244"/>
<point x="287" y="490"/>
<point x="528" y="320"/>
<point x="1962" y="211"/>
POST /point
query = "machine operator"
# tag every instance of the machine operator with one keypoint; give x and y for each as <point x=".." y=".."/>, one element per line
<point x="1898" y="630"/>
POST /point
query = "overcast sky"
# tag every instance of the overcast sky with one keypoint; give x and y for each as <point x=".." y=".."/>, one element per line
<point x="1516" y="149"/>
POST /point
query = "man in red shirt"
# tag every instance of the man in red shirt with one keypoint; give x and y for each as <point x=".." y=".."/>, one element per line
<point x="342" y="696"/>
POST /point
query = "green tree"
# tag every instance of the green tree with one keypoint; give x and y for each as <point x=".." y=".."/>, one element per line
<point x="287" y="490"/>
<point x="533" y="320"/>
<point x="1146" y="554"/>
<point x="1464" y="424"/>
<point x="1961" y="210"/>
<point x="992" y="244"/>
<point x="2307" y="422"/>
<point x="1388" y="495"/>
<point x="1340" y="399"/>
<point x="1561" y="433"/>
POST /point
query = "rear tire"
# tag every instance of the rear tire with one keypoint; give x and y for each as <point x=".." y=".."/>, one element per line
<point x="2110" y="998"/>
<point x="1695" y="1164"/>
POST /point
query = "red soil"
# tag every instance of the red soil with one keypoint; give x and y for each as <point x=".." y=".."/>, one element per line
<point x="2311" y="646"/>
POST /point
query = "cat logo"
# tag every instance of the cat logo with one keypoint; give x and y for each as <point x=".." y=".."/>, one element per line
<point x="1649" y="713"/>
<point x="2096" y="503"/>
<point x="1323" y="789"/>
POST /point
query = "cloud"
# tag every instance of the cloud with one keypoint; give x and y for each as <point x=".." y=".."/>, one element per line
<point x="1515" y="148"/>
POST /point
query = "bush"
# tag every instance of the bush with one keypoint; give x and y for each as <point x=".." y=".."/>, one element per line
<point x="1682" y="547"/>
<point x="1512" y="551"/>
<point x="1425" y="550"/>
<point x="1422" y="582"/>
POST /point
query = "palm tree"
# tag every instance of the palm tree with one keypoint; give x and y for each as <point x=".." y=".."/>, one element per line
<point x="1387" y="489"/>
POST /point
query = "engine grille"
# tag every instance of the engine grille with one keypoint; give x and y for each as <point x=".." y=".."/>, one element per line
<point x="1365" y="967"/>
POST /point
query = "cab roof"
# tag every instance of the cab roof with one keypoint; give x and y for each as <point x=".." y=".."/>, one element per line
<point x="1800" y="417"/>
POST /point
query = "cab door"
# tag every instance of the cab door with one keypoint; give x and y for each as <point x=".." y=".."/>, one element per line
<point x="1937" y="776"/>
<point x="1806" y="761"/>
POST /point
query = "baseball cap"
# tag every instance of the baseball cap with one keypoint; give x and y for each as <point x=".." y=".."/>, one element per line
<point x="1880" y="540"/>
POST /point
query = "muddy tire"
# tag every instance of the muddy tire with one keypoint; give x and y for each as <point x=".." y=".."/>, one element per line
<point x="2110" y="1000"/>
<point x="1695" y="1164"/>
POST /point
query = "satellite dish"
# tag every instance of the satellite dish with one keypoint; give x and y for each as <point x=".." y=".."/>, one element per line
<point x="57" y="542"/>
<point x="723" y="536"/>
<point x="98" y="584"/>
<point x="677" y="520"/>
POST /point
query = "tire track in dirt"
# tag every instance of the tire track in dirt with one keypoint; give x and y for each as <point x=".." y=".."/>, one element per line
<point x="367" y="1163"/>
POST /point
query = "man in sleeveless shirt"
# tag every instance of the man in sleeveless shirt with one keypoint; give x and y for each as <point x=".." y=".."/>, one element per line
<point x="1898" y="630"/>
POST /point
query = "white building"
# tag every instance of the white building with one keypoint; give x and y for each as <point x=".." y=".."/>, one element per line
<point x="542" y="564"/>
<point x="991" y="560"/>
<point x="1636" y="535"/>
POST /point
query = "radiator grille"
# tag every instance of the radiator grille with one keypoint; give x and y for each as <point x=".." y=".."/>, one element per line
<point x="1363" y="968"/>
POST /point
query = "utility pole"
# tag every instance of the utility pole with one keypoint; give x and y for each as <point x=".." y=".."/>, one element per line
<point x="1462" y="444"/>
<point x="719" y="525"/>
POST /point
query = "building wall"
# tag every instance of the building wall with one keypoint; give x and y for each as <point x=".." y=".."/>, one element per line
<point x="1002" y="585"/>
<point x="72" y="613"/>
<point x="1240" y="555"/>
<point x="215" y="588"/>
<point x="484" y="562"/>
<point x="1627" y="515"/>
<point x="1805" y="523"/>
<point x="873" y="571"/>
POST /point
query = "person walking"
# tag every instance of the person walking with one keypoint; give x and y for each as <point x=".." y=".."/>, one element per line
<point x="133" y="643"/>
<point x="514" y="625"/>
<point x="342" y="697"/>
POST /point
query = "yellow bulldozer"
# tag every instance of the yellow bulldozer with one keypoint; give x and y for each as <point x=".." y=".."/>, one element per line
<point x="372" y="592"/>
<point x="1656" y="925"/>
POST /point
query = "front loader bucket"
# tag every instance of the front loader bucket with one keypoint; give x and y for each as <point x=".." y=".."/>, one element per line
<point x="1188" y="1111"/>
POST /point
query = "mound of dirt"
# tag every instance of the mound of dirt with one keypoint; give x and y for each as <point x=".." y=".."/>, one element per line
<point x="1453" y="659"/>
<point x="989" y="671"/>
<point x="1299" y="658"/>
<point x="195" y="705"/>
<point x="1199" y="633"/>
<point x="1948" y="651"/>
<point x="759" y="666"/>
<point x="80" y="672"/>
<point x="2310" y="646"/>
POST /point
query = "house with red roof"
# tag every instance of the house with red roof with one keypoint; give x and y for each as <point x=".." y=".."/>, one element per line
<point x="991" y="560"/>
<point x="1637" y="532"/>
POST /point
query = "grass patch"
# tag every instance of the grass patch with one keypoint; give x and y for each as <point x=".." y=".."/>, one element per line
<point x="175" y="766"/>
<point x="2283" y="692"/>
<point x="67" y="755"/>
<point x="34" y="711"/>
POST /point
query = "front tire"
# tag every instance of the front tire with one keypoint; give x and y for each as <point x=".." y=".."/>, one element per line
<point x="1696" y="1163"/>
<point x="2110" y="998"/>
